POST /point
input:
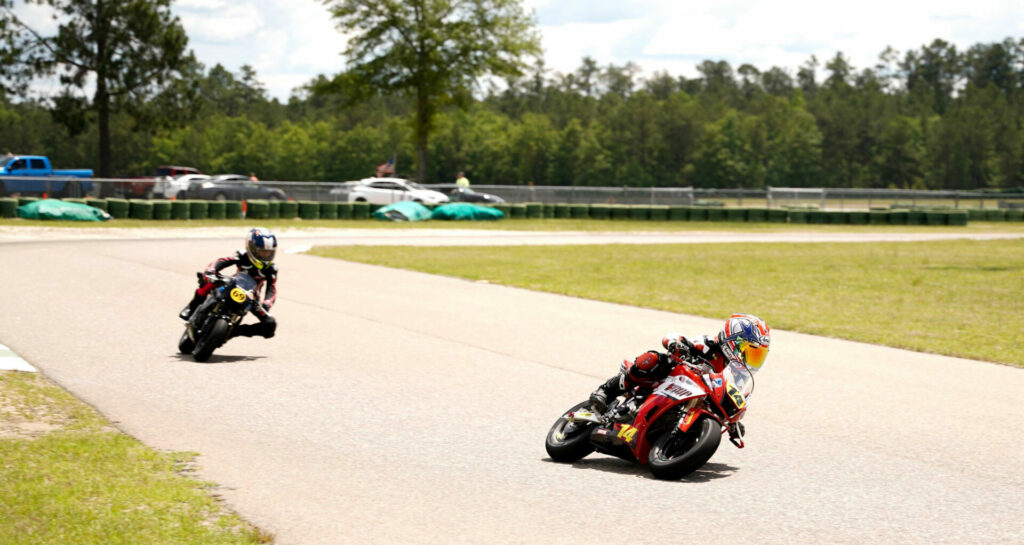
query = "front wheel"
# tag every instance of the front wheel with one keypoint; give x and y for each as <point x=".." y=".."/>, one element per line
<point x="675" y="455"/>
<point x="209" y="342"/>
<point x="569" y="441"/>
<point x="185" y="343"/>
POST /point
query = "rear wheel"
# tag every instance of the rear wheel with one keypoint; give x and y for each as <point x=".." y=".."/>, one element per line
<point x="185" y="343"/>
<point x="220" y="197"/>
<point x="209" y="342"/>
<point x="569" y="441"/>
<point x="675" y="455"/>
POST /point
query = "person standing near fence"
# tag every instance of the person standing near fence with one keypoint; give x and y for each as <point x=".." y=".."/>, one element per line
<point x="462" y="180"/>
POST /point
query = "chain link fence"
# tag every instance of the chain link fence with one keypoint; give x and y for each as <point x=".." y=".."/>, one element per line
<point x="771" y="197"/>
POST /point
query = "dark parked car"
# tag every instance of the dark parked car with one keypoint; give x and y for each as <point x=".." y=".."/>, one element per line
<point x="233" y="187"/>
<point x="464" y="194"/>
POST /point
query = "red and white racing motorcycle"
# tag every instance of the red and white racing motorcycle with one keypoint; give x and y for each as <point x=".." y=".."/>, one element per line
<point x="674" y="429"/>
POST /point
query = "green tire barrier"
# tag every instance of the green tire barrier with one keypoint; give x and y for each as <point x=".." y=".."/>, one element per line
<point x="639" y="212"/>
<point x="360" y="211"/>
<point x="506" y="208"/>
<point x="96" y="203"/>
<point x="197" y="210"/>
<point x="118" y="208"/>
<point x="517" y="211"/>
<point x="344" y="210"/>
<point x="976" y="214"/>
<point x="716" y="214"/>
<point x="76" y="201"/>
<point x="777" y="215"/>
<point x="957" y="218"/>
<point x="309" y="210"/>
<point x="274" y="210"/>
<point x="916" y="217"/>
<point x="698" y="214"/>
<point x="579" y="211"/>
<point x="8" y="207"/>
<point x="534" y="210"/>
<point x="757" y="215"/>
<point x="936" y="217"/>
<point x="161" y="209"/>
<point x="838" y="217"/>
<point x="1014" y="215"/>
<point x="858" y="217"/>
<point x="817" y="217"/>
<point x="233" y="210"/>
<point x="289" y="209"/>
<point x="561" y="210"/>
<point x="679" y="213"/>
<point x="878" y="217"/>
<point x="659" y="213"/>
<point x="735" y="214"/>
<point x="549" y="210"/>
<point x="216" y="210"/>
<point x="179" y="210"/>
<point x="600" y="211"/>
<point x="899" y="217"/>
<point x="329" y="210"/>
<point x="799" y="216"/>
<point x="618" y="212"/>
<point x="257" y="210"/>
<point x="995" y="215"/>
<point x="22" y="201"/>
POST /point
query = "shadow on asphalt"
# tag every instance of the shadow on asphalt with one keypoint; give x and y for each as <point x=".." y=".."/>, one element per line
<point x="708" y="472"/>
<point x="216" y="358"/>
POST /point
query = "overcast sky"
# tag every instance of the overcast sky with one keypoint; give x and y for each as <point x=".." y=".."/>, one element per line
<point x="289" y="42"/>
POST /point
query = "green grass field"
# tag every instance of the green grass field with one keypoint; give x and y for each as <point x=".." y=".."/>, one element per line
<point x="959" y="298"/>
<point x="66" y="477"/>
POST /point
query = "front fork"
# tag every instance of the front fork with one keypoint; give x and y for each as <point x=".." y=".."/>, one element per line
<point x="693" y="410"/>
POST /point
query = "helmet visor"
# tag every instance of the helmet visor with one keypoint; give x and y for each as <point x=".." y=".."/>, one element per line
<point x="266" y="255"/>
<point x="753" y="355"/>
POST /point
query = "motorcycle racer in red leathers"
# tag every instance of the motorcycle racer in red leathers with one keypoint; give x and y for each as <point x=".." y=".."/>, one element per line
<point x="743" y="339"/>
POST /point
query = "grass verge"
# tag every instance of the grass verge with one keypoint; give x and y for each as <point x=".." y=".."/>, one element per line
<point x="67" y="477"/>
<point x="948" y="297"/>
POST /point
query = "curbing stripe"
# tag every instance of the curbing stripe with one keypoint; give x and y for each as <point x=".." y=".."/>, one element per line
<point x="9" y="361"/>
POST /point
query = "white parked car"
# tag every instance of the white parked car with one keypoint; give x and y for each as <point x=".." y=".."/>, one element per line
<point x="176" y="187"/>
<point x="389" y="190"/>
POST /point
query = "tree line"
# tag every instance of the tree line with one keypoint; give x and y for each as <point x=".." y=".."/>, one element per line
<point x="930" y="118"/>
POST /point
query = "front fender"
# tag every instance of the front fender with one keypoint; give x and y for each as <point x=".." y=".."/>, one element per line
<point x="692" y="416"/>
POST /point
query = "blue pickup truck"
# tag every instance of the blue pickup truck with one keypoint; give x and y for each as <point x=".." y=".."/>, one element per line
<point x="37" y="166"/>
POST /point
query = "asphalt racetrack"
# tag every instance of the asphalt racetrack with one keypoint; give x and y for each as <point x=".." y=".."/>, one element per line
<point x="399" y="407"/>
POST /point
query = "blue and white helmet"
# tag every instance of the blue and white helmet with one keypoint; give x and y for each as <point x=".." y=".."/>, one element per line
<point x="745" y="339"/>
<point x="260" y="246"/>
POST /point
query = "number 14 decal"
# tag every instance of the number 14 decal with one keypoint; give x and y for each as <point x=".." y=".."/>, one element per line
<point x="627" y="433"/>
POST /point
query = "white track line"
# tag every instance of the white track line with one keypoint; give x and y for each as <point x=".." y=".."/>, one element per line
<point x="9" y="361"/>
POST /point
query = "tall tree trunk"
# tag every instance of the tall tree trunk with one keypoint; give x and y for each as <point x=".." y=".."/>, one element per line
<point x="101" y="100"/>
<point x="422" y="128"/>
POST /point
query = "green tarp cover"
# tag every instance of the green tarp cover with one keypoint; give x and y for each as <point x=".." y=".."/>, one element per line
<point x="403" y="211"/>
<point x="54" y="209"/>
<point x="466" y="211"/>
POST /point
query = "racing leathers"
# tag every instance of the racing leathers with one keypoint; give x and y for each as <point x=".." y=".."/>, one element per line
<point x="652" y="366"/>
<point x="267" y="275"/>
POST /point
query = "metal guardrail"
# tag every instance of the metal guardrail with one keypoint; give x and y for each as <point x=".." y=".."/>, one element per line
<point x="771" y="197"/>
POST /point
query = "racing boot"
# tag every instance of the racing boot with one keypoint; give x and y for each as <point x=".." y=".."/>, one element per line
<point x="611" y="389"/>
<point x="191" y="307"/>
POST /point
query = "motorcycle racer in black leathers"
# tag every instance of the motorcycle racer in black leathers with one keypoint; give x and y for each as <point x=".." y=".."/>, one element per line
<point x="257" y="260"/>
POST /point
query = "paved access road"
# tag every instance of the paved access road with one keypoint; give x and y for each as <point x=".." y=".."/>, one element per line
<point x="398" y="407"/>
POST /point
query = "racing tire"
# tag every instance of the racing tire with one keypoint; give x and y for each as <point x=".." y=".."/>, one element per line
<point x="675" y="455"/>
<point x="220" y="197"/>
<point x="568" y="447"/>
<point x="185" y="343"/>
<point x="216" y="337"/>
